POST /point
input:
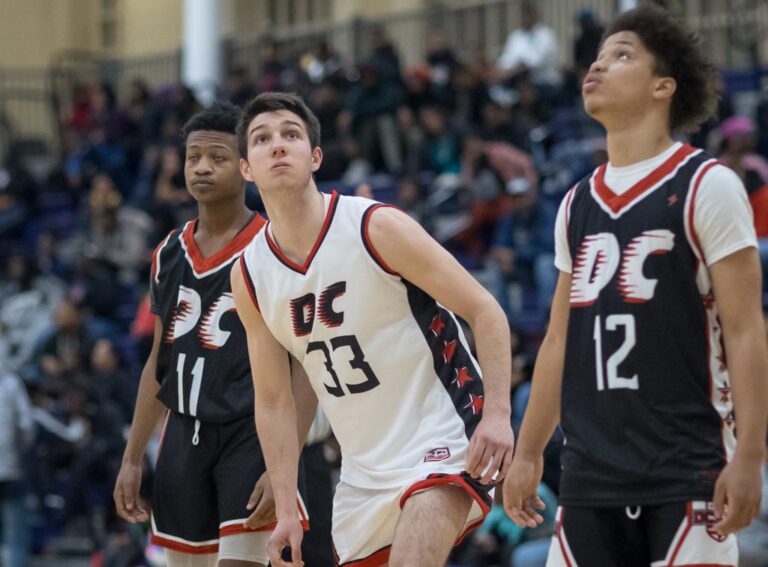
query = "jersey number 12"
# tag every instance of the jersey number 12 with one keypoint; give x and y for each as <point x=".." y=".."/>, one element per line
<point x="615" y="382"/>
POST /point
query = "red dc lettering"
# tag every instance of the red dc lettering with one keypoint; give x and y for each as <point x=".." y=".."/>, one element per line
<point x="303" y="309"/>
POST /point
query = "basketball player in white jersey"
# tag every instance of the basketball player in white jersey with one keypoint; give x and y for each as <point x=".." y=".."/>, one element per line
<point x="365" y="300"/>
<point x="655" y="353"/>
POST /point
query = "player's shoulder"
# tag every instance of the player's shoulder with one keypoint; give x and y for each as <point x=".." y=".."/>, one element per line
<point x="717" y="182"/>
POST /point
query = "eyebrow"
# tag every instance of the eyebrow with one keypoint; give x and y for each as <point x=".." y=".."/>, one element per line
<point x="283" y="123"/>
<point x="214" y="145"/>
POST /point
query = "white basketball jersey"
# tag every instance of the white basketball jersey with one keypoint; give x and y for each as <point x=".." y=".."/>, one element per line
<point x="390" y="366"/>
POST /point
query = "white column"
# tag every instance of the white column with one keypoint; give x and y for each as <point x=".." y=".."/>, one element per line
<point x="201" y="56"/>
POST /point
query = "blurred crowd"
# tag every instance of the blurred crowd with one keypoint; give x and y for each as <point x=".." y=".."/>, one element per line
<point x="479" y="151"/>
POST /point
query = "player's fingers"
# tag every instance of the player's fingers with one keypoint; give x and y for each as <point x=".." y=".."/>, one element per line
<point x="255" y="497"/>
<point x="274" y="549"/>
<point x="505" y="464"/>
<point x="493" y="467"/>
<point x="718" y="500"/>
<point x="477" y="461"/>
<point x="539" y="504"/>
<point x="296" y="548"/>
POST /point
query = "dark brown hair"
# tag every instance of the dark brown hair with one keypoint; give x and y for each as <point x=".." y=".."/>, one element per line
<point x="270" y="102"/>
<point x="678" y="55"/>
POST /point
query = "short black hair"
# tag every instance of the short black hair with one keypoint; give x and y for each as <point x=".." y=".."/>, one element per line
<point x="221" y="116"/>
<point x="271" y="102"/>
<point x="678" y="55"/>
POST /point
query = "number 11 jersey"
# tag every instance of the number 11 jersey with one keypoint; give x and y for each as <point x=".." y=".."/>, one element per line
<point x="390" y="366"/>
<point x="202" y="364"/>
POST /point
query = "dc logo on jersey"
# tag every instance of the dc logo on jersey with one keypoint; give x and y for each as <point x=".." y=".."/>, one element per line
<point x="304" y="308"/>
<point x="187" y="315"/>
<point x="437" y="455"/>
<point x="598" y="259"/>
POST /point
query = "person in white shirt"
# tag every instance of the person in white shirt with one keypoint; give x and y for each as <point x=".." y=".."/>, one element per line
<point x="532" y="48"/>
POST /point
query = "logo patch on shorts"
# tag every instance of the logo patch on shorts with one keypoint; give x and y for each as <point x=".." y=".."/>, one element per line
<point x="439" y="454"/>
<point x="707" y="519"/>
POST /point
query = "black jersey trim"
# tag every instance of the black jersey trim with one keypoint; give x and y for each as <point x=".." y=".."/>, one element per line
<point x="302" y="268"/>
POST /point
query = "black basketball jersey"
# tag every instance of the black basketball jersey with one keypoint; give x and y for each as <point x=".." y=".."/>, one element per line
<point x="647" y="414"/>
<point x="202" y="365"/>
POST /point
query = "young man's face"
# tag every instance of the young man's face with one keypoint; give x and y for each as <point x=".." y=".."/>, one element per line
<point x="622" y="81"/>
<point x="280" y="155"/>
<point x="212" y="166"/>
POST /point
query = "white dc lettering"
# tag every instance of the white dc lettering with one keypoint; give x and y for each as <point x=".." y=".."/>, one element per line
<point x="598" y="259"/>
<point x="187" y="315"/>
<point x="188" y="307"/>
<point x="634" y="287"/>
<point x="211" y="333"/>
<point x="595" y="264"/>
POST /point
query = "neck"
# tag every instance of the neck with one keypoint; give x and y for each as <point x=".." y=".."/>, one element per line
<point x="296" y="218"/>
<point x="218" y="219"/>
<point x="633" y="140"/>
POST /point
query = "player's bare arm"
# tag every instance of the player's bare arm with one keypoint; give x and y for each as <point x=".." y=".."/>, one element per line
<point x="408" y="250"/>
<point x="541" y="416"/>
<point x="276" y="420"/>
<point x="262" y="499"/>
<point x="146" y="416"/>
<point x="736" y="280"/>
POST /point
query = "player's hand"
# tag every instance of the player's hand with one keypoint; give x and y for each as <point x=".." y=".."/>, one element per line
<point x="490" y="449"/>
<point x="737" y="495"/>
<point x="519" y="490"/>
<point x="126" y="494"/>
<point x="288" y="532"/>
<point x="262" y="502"/>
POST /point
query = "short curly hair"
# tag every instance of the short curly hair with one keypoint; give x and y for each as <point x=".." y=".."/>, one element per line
<point x="221" y="116"/>
<point x="678" y="55"/>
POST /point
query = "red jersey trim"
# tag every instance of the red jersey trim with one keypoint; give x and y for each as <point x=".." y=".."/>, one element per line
<point x="692" y="208"/>
<point x="617" y="203"/>
<point x="367" y="239"/>
<point x="183" y="547"/>
<point x="235" y="529"/>
<point x="302" y="268"/>
<point x="200" y="263"/>
<point x="456" y="480"/>
<point x="248" y="282"/>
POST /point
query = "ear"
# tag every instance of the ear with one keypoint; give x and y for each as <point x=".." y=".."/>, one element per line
<point x="664" y="88"/>
<point x="317" y="158"/>
<point x="245" y="170"/>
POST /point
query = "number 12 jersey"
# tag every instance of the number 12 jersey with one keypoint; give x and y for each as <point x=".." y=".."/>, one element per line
<point x="646" y="399"/>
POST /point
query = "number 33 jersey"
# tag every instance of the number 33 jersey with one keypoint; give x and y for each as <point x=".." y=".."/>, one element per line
<point x="202" y="364"/>
<point x="646" y="398"/>
<point x="390" y="366"/>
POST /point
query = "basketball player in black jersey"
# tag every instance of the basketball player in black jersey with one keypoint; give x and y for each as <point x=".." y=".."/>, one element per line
<point x="655" y="352"/>
<point x="198" y="375"/>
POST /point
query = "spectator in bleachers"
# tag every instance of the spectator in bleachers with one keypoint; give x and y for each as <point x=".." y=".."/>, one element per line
<point x="112" y="381"/>
<point x="66" y="350"/>
<point x="370" y="119"/>
<point x="27" y="301"/>
<point x="384" y="56"/>
<point x="16" y="435"/>
<point x="587" y="43"/>
<point x="439" y="150"/>
<point x="531" y="49"/>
